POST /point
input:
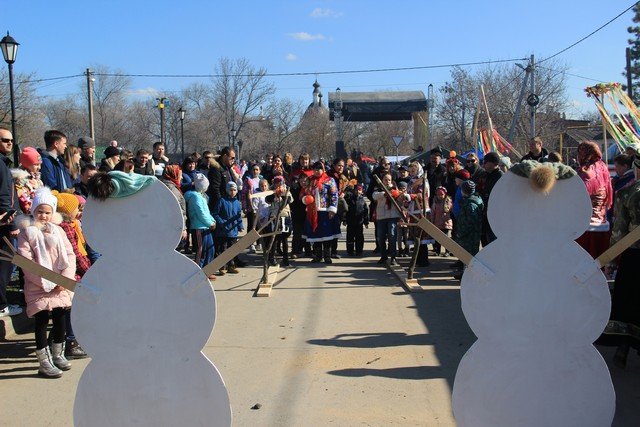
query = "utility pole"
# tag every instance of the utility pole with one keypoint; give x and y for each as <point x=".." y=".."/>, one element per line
<point x="516" y="115"/>
<point x="533" y="92"/>
<point x="430" y="104"/>
<point x="90" y="79"/>
<point x="337" y="119"/>
<point x="629" y="82"/>
<point x="161" y="108"/>
<point x="463" y="137"/>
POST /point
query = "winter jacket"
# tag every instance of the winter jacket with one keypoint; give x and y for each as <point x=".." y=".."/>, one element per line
<point x="8" y="197"/>
<point x="187" y="181"/>
<point x="26" y="186"/>
<point x="198" y="212"/>
<point x="35" y="295"/>
<point x="626" y="213"/>
<point x="441" y="213"/>
<point x="228" y="216"/>
<point x="179" y="197"/>
<point x="385" y="208"/>
<point x="218" y="177"/>
<point x="469" y="223"/>
<point x="82" y="261"/>
<point x="54" y="173"/>
<point x="358" y="212"/>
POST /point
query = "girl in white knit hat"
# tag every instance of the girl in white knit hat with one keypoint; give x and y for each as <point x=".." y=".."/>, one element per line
<point x="42" y="241"/>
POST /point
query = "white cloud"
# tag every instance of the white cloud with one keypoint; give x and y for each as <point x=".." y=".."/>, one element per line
<point x="291" y="57"/>
<point x="148" y="91"/>
<point x="324" y="13"/>
<point x="305" y="37"/>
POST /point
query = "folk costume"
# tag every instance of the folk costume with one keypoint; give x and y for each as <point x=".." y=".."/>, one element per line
<point x="321" y="198"/>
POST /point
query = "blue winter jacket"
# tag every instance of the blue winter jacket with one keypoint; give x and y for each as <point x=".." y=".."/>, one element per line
<point x="188" y="179"/>
<point x="228" y="216"/>
<point x="198" y="212"/>
<point x="54" y="174"/>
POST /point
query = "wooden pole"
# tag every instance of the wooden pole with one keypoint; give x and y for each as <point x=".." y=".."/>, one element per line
<point x="486" y="108"/>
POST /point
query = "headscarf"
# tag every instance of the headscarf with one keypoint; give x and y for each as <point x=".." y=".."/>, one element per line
<point x="173" y="173"/>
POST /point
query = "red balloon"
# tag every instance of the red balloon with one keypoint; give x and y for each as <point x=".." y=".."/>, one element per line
<point x="308" y="199"/>
<point x="395" y="193"/>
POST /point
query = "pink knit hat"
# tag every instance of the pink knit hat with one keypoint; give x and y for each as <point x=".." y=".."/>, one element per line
<point x="30" y="157"/>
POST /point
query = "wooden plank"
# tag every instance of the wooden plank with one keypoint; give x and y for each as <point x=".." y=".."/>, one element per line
<point x="410" y="285"/>
<point x="35" y="268"/>
<point x="226" y="256"/>
<point x="446" y="241"/>
<point x="264" y="288"/>
<point x="615" y="250"/>
<point x="261" y="194"/>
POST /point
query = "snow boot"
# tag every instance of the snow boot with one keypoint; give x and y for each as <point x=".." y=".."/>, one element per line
<point x="47" y="368"/>
<point x="57" y="356"/>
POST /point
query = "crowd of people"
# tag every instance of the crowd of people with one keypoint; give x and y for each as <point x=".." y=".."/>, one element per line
<point x="309" y="202"/>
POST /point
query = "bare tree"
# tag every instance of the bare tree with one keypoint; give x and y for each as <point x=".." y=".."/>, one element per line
<point x="239" y="92"/>
<point x="29" y="117"/>
<point x="283" y="115"/>
<point x="110" y="103"/>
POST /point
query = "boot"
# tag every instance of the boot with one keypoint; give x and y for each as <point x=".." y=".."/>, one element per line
<point x="57" y="356"/>
<point x="47" y="368"/>
<point x="326" y="251"/>
<point x="334" y="249"/>
<point x="317" y="252"/>
<point x="423" y="257"/>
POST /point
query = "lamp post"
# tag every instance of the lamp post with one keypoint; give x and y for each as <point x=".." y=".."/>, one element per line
<point x="232" y="136"/>
<point x="182" y="112"/>
<point x="430" y="103"/>
<point x="240" y="142"/>
<point x="9" y="50"/>
<point x="161" y="105"/>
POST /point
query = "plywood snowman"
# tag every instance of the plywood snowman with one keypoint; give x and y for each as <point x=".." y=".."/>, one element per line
<point x="142" y="327"/>
<point x="536" y="301"/>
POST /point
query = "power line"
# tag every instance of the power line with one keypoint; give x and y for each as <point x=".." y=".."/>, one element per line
<point x="590" y="34"/>
<point x="573" y="75"/>
<point x="371" y="70"/>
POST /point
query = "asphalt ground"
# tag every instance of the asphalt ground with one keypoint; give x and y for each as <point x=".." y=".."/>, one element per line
<point x="341" y="345"/>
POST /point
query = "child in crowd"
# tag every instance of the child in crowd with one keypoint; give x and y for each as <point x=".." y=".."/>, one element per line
<point x="441" y="215"/>
<point x="251" y="185"/>
<point x="469" y="220"/>
<point x="357" y="218"/>
<point x="228" y="216"/>
<point x="69" y="209"/>
<point x="387" y="220"/>
<point x="261" y="209"/>
<point x="279" y="201"/>
<point x="26" y="179"/>
<point x="202" y="224"/>
<point x="403" y="230"/>
<point x="45" y="243"/>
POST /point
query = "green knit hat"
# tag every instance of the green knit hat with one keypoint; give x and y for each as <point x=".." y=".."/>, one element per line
<point x="128" y="184"/>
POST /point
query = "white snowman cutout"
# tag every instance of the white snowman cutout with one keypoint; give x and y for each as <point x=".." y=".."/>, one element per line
<point x="534" y="363"/>
<point x="143" y="329"/>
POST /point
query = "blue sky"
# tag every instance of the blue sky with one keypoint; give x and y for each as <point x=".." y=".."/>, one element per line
<point x="187" y="37"/>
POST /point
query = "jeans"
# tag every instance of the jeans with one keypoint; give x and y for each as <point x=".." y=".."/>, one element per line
<point x="387" y="236"/>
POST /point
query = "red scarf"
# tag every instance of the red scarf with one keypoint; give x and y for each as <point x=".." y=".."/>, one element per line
<point x="173" y="173"/>
<point x="312" y="209"/>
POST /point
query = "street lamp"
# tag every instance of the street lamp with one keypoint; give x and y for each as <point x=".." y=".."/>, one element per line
<point x="9" y="50"/>
<point x="240" y="142"/>
<point x="162" y="102"/>
<point x="430" y="104"/>
<point x="182" y="112"/>
<point x="232" y="135"/>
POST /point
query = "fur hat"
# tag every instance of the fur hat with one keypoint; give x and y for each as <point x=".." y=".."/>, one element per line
<point x="463" y="174"/>
<point x="231" y="185"/>
<point x="85" y="142"/>
<point x="468" y="187"/>
<point x="111" y="151"/>
<point x="67" y="203"/>
<point x="30" y="157"/>
<point x="200" y="183"/>
<point x="44" y="197"/>
<point x="492" y="157"/>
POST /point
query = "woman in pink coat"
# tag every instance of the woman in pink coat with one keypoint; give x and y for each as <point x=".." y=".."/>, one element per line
<point x="42" y="241"/>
